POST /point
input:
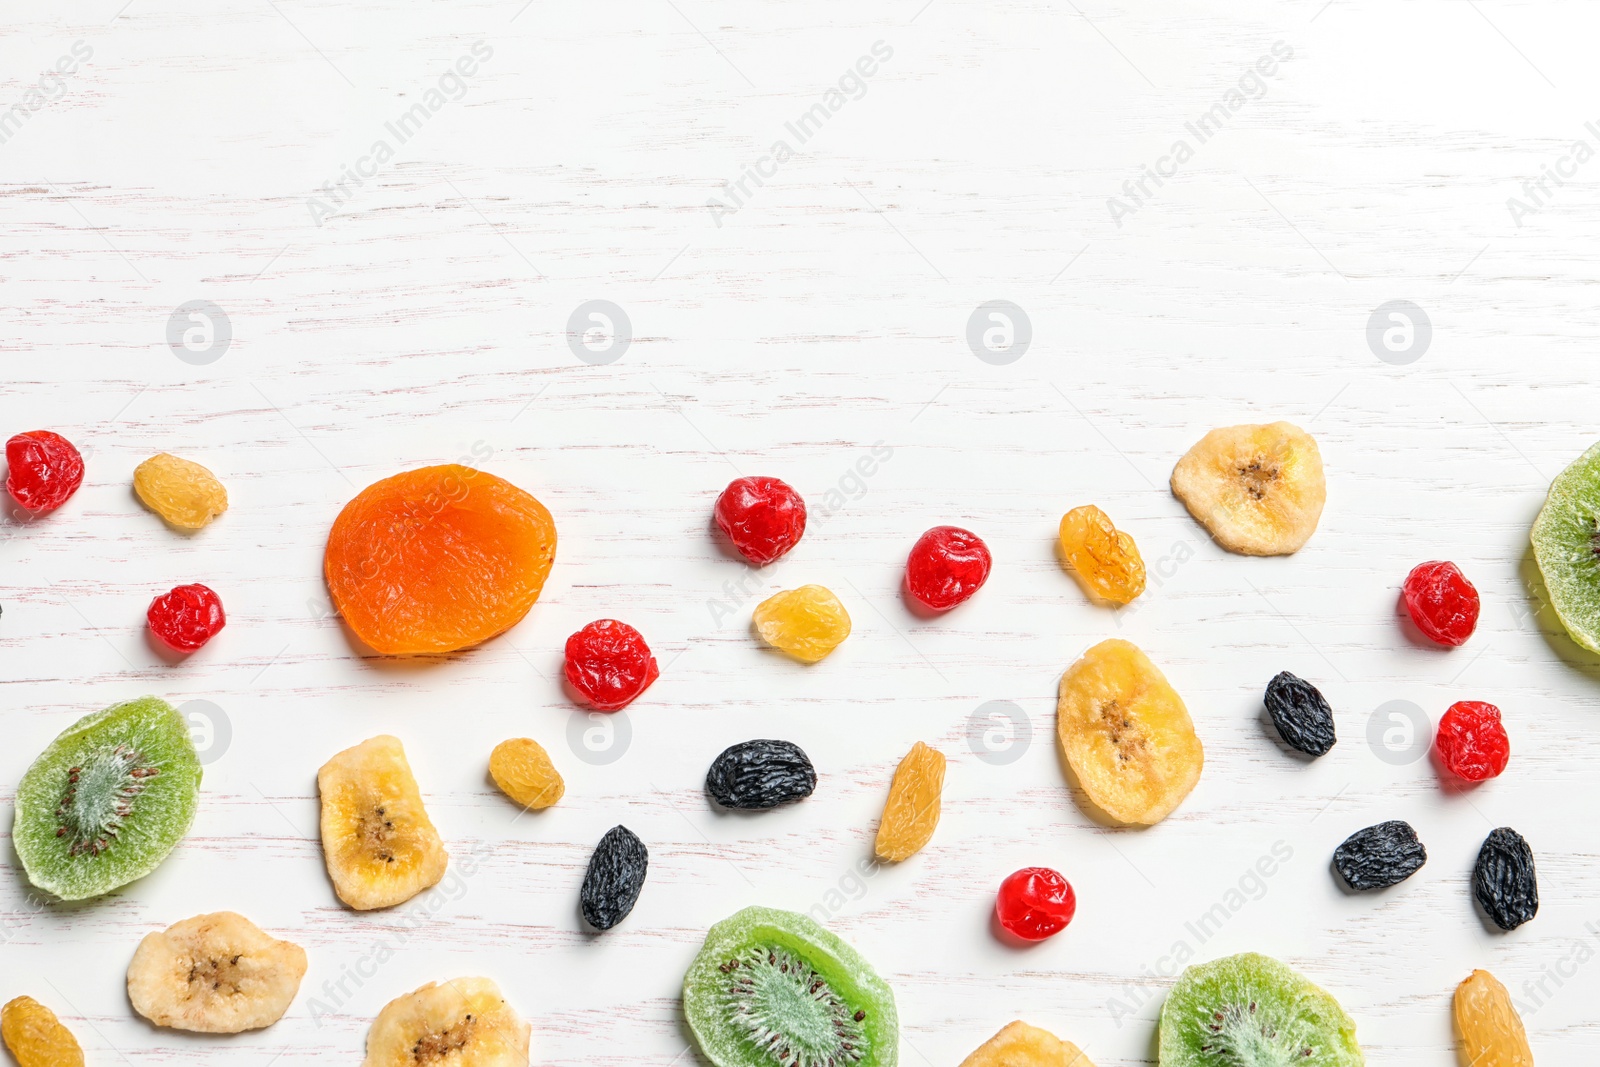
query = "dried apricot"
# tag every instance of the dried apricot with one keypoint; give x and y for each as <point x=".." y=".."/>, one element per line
<point x="1021" y="1045"/>
<point x="912" y="811"/>
<point x="36" y="1037"/>
<point x="438" y="559"/>
<point x="523" y="771"/>
<point x="807" y="623"/>
<point x="1104" y="558"/>
<point x="179" y="490"/>
<point x="1491" y="1031"/>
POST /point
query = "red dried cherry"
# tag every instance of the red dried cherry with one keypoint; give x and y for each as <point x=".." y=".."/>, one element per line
<point x="45" y="469"/>
<point x="1472" y="742"/>
<point x="609" y="663"/>
<point x="947" y="565"/>
<point x="1035" y="903"/>
<point x="1441" y="601"/>
<point x="763" y="517"/>
<point x="187" y="617"/>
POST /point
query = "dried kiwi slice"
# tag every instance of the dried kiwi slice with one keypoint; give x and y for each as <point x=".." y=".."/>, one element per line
<point x="106" y="802"/>
<point x="1252" y="1011"/>
<point x="1566" y="544"/>
<point x="774" y="989"/>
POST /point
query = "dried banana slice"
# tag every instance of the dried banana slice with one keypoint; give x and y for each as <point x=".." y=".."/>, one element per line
<point x="1127" y="735"/>
<point x="379" y="845"/>
<point x="214" y="974"/>
<point x="1258" y="490"/>
<point x="1021" y="1045"/>
<point x="464" y="1022"/>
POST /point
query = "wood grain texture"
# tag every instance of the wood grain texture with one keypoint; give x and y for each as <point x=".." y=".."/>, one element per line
<point x="424" y="321"/>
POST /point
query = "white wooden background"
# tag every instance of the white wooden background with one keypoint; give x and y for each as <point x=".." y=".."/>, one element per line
<point x="425" y="321"/>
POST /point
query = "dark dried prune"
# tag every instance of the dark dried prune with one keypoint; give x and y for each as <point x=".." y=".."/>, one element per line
<point x="615" y="876"/>
<point x="1380" y="856"/>
<point x="1301" y="714"/>
<point x="761" y="774"/>
<point x="1504" y="880"/>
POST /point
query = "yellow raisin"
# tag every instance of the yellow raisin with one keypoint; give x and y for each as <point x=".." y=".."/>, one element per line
<point x="36" y="1037"/>
<point x="807" y="623"/>
<point x="912" y="811"/>
<point x="1491" y="1031"/>
<point x="180" y="491"/>
<point x="523" y="771"/>
<point x="1104" y="558"/>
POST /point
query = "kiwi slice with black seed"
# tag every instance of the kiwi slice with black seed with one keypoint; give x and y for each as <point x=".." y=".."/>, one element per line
<point x="1250" y="1010"/>
<point x="774" y="989"/>
<point x="108" y="800"/>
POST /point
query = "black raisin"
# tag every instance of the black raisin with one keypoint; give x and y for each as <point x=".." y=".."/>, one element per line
<point x="615" y="876"/>
<point x="1301" y="714"/>
<point x="1504" y="881"/>
<point x="761" y="774"/>
<point x="1380" y="856"/>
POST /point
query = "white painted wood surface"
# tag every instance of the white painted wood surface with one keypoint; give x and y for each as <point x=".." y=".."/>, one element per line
<point x="423" y="320"/>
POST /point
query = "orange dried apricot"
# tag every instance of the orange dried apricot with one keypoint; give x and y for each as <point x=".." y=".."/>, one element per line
<point x="1104" y="558"/>
<point x="36" y="1037"/>
<point x="437" y="559"/>
<point x="912" y="812"/>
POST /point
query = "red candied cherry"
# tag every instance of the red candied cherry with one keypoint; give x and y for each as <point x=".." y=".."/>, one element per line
<point x="947" y="565"/>
<point x="45" y="469"/>
<point x="1035" y="903"/>
<point x="763" y="517"/>
<point x="187" y="617"/>
<point x="1441" y="601"/>
<point x="1472" y="742"/>
<point x="609" y="663"/>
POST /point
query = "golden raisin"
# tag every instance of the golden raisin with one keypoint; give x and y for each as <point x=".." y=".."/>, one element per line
<point x="1491" y="1031"/>
<point x="807" y="623"/>
<point x="523" y="771"/>
<point x="912" y="810"/>
<point x="36" y="1037"/>
<point x="1104" y="558"/>
<point x="180" y="491"/>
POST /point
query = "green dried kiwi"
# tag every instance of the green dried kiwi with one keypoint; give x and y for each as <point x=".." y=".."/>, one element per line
<point x="108" y="800"/>
<point x="774" y="989"/>
<point x="1566" y="544"/>
<point x="1252" y="1011"/>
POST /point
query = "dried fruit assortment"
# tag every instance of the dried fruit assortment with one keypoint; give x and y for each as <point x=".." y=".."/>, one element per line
<point x="1504" y="880"/>
<point x="807" y="623"/>
<point x="1127" y="734"/>
<point x="186" y="618"/>
<point x="1021" y="1045"/>
<point x="1442" y="603"/>
<point x="760" y="774"/>
<point x="45" y="470"/>
<point x="462" y="1022"/>
<point x="1380" y="856"/>
<point x="609" y="663"/>
<point x="437" y="559"/>
<point x="1489" y="1028"/>
<point x="773" y="988"/>
<point x="379" y="845"/>
<point x="1472" y="741"/>
<point x="616" y="873"/>
<point x="1035" y="903"/>
<point x="181" y="491"/>
<point x="1258" y="490"/>
<point x="523" y="771"/>
<point x="1104" y="558"/>
<point x="763" y="517"/>
<point x="1301" y="714"/>
<point x="107" y="801"/>
<point x="36" y="1037"/>
<point x="911" y="813"/>
<point x="1250" y="1010"/>
<point x="946" y="566"/>
<point x="214" y="974"/>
